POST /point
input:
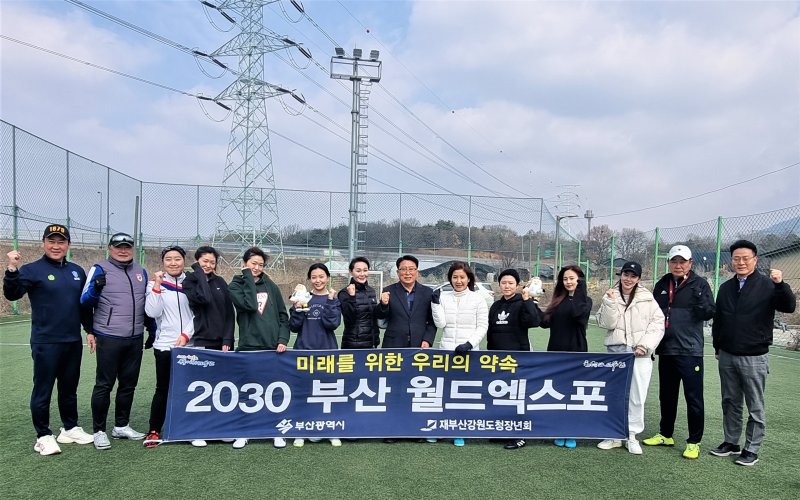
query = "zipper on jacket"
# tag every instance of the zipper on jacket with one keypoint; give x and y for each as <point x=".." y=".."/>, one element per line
<point x="133" y="300"/>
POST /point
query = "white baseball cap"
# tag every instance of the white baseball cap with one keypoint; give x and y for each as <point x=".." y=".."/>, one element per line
<point x="680" y="251"/>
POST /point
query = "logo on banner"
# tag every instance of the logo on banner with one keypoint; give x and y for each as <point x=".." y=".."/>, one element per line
<point x="261" y="298"/>
<point x="608" y="364"/>
<point x="192" y="359"/>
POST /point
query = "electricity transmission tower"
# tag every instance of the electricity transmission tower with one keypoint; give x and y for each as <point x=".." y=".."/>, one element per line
<point x="248" y="205"/>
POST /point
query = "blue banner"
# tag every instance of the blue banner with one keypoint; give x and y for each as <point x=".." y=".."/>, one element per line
<point x="397" y="393"/>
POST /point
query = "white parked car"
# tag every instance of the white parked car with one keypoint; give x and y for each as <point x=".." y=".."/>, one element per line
<point x="483" y="288"/>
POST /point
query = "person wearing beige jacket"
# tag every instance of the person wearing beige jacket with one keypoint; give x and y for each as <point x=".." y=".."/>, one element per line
<point x="635" y="323"/>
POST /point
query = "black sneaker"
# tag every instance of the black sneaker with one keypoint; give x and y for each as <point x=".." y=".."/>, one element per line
<point x="747" y="459"/>
<point x="726" y="449"/>
<point x="514" y="445"/>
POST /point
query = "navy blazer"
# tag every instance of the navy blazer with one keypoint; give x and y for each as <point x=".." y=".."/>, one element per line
<point x="407" y="328"/>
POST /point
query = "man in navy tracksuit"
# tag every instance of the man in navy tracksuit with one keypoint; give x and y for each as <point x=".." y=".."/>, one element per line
<point x="686" y="301"/>
<point x="54" y="288"/>
<point x="115" y="289"/>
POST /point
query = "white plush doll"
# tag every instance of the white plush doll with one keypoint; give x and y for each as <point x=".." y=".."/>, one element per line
<point x="300" y="298"/>
<point x="535" y="287"/>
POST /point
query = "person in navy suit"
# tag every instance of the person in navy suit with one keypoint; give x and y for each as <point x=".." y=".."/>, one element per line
<point x="406" y="307"/>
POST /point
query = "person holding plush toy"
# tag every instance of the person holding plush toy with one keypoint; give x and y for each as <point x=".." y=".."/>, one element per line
<point x="316" y="318"/>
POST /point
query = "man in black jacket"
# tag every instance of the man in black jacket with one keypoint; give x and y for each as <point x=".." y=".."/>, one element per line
<point x="687" y="301"/>
<point x="406" y="307"/>
<point x="742" y="333"/>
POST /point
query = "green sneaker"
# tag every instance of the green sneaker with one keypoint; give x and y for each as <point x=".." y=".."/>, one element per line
<point x="659" y="440"/>
<point x="692" y="451"/>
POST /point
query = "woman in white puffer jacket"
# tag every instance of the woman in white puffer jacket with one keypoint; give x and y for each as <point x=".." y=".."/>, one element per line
<point x="635" y="323"/>
<point x="463" y="315"/>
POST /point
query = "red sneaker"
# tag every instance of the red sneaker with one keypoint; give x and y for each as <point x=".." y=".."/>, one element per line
<point x="152" y="439"/>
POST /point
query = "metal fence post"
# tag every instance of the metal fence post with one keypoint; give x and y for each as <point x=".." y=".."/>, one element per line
<point x="611" y="263"/>
<point x="15" y="244"/>
<point x="717" y="256"/>
<point x="655" y="257"/>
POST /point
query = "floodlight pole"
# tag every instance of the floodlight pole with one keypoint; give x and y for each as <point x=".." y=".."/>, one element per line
<point x="355" y="69"/>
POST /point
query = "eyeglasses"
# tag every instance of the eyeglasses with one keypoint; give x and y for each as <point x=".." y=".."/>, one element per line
<point x="742" y="259"/>
<point x="406" y="269"/>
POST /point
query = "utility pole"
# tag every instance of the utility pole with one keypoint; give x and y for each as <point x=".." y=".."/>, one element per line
<point x="248" y="205"/>
<point x="363" y="73"/>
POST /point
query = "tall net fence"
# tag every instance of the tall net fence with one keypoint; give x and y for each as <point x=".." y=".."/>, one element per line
<point x="43" y="183"/>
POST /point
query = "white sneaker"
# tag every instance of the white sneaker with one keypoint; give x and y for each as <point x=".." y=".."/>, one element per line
<point x="227" y="440"/>
<point x="46" y="445"/>
<point x="199" y="443"/>
<point x="336" y="442"/>
<point x="239" y="443"/>
<point x="608" y="444"/>
<point x="315" y="440"/>
<point x="74" y="435"/>
<point x="279" y="443"/>
<point x="126" y="433"/>
<point x="299" y="442"/>
<point x="634" y="447"/>
<point x="101" y="441"/>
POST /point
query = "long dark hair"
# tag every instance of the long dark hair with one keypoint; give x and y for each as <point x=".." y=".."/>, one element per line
<point x="633" y="292"/>
<point x="463" y="266"/>
<point x="560" y="293"/>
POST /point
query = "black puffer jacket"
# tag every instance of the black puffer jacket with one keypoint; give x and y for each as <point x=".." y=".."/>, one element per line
<point x="692" y="303"/>
<point x="360" y="324"/>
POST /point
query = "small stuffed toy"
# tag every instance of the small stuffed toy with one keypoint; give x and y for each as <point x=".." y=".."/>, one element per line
<point x="535" y="287"/>
<point x="300" y="298"/>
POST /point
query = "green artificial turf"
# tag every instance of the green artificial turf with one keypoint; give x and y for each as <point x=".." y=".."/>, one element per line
<point x="372" y="469"/>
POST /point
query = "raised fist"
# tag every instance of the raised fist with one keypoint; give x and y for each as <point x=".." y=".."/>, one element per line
<point x="158" y="277"/>
<point x="351" y="290"/>
<point x="385" y="298"/>
<point x="776" y="275"/>
<point x="611" y="293"/>
<point x="14" y="260"/>
<point x="437" y="296"/>
<point x="331" y="294"/>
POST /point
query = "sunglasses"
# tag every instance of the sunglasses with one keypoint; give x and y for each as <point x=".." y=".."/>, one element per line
<point x="121" y="239"/>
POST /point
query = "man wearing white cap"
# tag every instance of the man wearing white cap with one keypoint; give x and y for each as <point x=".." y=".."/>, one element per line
<point x="687" y="301"/>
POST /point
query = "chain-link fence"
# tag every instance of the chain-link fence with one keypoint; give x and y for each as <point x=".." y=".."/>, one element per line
<point x="44" y="183"/>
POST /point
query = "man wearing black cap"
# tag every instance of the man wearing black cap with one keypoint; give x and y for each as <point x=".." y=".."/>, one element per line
<point x="54" y="288"/>
<point x="115" y="289"/>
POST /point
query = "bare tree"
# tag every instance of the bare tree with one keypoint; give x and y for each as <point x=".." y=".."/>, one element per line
<point x="632" y="244"/>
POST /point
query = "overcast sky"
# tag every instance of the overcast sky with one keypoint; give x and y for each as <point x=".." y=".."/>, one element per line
<point x="633" y="104"/>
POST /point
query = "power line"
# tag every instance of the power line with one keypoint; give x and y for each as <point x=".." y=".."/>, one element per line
<point x="97" y="66"/>
<point x="703" y="194"/>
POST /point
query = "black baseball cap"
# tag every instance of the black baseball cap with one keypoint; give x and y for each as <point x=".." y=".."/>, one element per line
<point x="121" y="240"/>
<point x="56" y="229"/>
<point x="631" y="266"/>
<point x="171" y="248"/>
